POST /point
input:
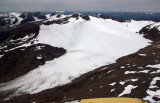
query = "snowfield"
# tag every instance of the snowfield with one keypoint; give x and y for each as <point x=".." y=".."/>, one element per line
<point x="89" y="44"/>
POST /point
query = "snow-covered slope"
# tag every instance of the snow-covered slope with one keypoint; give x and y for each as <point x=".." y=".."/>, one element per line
<point x="89" y="44"/>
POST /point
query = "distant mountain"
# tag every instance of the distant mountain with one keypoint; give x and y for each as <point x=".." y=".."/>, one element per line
<point x="12" y="19"/>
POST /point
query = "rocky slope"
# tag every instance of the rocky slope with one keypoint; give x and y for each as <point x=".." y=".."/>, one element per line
<point x="20" y="52"/>
<point x="136" y="75"/>
<point x="151" y="31"/>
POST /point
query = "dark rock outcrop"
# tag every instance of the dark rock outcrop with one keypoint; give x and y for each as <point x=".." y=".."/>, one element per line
<point x="17" y="32"/>
<point x="85" y="17"/>
<point x="59" y="15"/>
<point x="22" y="15"/>
<point x="77" y="16"/>
<point x="150" y="32"/>
<point x="63" y="21"/>
<point x="3" y="22"/>
<point x="109" y="17"/>
<point x="52" y="14"/>
<point x="29" y="18"/>
<point x="39" y="15"/>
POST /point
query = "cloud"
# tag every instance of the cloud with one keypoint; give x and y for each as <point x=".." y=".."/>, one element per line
<point x="79" y="5"/>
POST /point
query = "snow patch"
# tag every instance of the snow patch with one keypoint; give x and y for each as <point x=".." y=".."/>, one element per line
<point x="39" y="57"/>
<point x="144" y="71"/>
<point x="133" y="80"/>
<point x="154" y="80"/>
<point x="154" y="66"/>
<point x="101" y="87"/>
<point x="112" y="90"/>
<point x="142" y="55"/>
<point x="1" y="56"/>
<point x="103" y="69"/>
<point x="122" y="67"/>
<point x="130" y="72"/>
<point x="73" y="101"/>
<point x="112" y="84"/>
<point x="121" y="83"/>
<point x="127" y="90"/>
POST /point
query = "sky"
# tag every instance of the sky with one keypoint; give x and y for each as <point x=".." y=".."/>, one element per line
<point x="80" y="5"/>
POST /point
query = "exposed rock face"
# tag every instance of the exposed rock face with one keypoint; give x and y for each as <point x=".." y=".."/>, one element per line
<point x="59" y="15"/>
<point x="22" y="15"/>
<point x="30" y="17"/>
<point x="61" y="21"/>
<point x="27" y="19"/>
<point x="4" y="22"/>
<point x="85" y="17"/>
<point x="52" y="14"/>
<point x="151" y="31"/>
<point x="77" y="15"/>
<point x="39" y="15"/>
<point x="18" y="32"/>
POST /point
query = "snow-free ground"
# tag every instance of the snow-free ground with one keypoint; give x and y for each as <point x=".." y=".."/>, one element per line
<point x="89" y="44"/>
